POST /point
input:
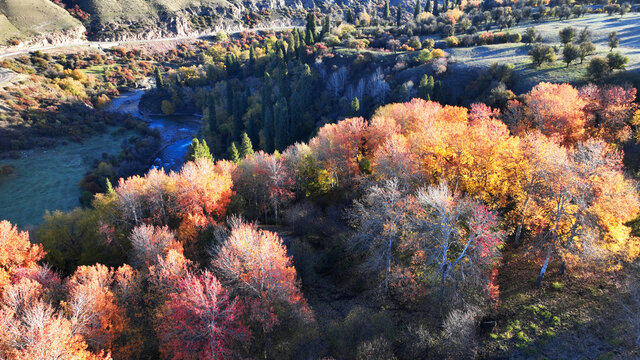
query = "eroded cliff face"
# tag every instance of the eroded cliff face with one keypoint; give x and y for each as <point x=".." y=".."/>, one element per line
<point x="70" y="36"/>
<point x="180" y="27"/>
<point x="229" y="20"/>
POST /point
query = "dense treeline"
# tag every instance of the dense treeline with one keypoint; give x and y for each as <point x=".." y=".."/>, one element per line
<point x="431" y="195"/>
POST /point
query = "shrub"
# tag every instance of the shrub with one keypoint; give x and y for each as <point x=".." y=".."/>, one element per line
<point x="437" y="53"/>
<point x="486" y="38"/>
<point x="459" y="333"/>
<point x="424" y="56"/>
<point x="541" y="54"/>
<point x="515" y="38"/>
<point x="332" y="40"/>
<point x="167" y="107"/>
<point x="375" y="349"/>
<point x="6" y="170"/>
<point x="617" y="61"/>
<point x="598" y="68"/>
<point x="414" y="42"/>
<point x="452" y="41"/>
<point x="428" y="43"/>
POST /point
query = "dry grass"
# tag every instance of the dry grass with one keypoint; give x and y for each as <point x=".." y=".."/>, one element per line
<point x="31" y="17"/>
<point x="574" y="316"/>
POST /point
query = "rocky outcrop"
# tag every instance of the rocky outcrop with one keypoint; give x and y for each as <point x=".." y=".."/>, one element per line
<point x="62" y="37"/>
<point x="179" y="26"/>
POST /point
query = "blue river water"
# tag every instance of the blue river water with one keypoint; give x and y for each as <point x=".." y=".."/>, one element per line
<point x="177" y="130"/>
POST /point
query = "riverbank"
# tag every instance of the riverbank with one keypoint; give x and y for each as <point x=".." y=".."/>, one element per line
<point x="177" y="131"/>
<point x="47" y="179"/>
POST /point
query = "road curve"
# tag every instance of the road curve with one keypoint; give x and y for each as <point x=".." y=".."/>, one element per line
<point x="6" y="75"/>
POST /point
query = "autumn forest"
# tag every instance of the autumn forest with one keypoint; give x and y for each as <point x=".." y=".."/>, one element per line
<point x="341" y="188"/>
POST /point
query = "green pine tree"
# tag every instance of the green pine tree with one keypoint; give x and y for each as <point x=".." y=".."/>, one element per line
<point x="311" y="24"/>
<point x="198" y="150"/>
<point x="110" y="190"/>
<point x="427" y="7"/>
<point x="211" y="113"/>
<point x="252" y="56"/>
<point x="246" y="148"/>
<point x="159" y="79"/>
<point x="282" y="126"/>
<point x="350" y="18"/>
<point x="398" y="15"/>
<point x="425" y="88"/>
<point x="234" y="156"/>
<point x="310" y="39"/>
<point x="416" y="9"/>
<point x="387" y="14"/>
<point x="326" y="25"/>
<point x="355" y="107"/>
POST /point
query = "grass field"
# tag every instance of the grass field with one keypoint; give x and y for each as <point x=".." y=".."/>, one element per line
<point x="7" y="29"/>
<point x="98" y="70"/>
<point x="107" y="10"/>
<point x="600" y="25"/>
<point x="47" y="179"/>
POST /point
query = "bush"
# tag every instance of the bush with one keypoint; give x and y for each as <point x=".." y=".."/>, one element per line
<point x="541" y="54"/>
<point x="459" y="333"/>
<point x="167" y="107"/>
<point x="358" y="326"/>
<point x="375" y="349"/>
<point x="414" y="42"/>
<point x="598" y="68"/>
<point x="424" y="56"/>
<point x="428" y="44"/>
<point x="437" y="53"/>
<point x="486" y="38"/>
<point x="616" y="60"/>
<point x="467" y="40"/>
<point x="6" y="170"/>
<point x="515" y="38"/>
<point x="452" y="41"/>
<point x="332" y="40"/>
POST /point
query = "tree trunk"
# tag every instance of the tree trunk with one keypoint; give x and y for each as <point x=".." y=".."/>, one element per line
<point x="386" y="277"/>
<point x="516" y="240"/>
<point x="563" y="267"/>
<point x="544" y="268"/>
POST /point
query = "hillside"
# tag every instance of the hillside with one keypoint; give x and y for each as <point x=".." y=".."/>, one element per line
<point x="140" y="19"/>
<point x="37" y="20"/>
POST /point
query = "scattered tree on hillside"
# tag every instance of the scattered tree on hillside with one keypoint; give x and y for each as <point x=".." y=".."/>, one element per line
<point x="567" y="34"/>
<point x="541" y="54"/>
<point x="614" y="41"/>
<point x="570" y="53"/>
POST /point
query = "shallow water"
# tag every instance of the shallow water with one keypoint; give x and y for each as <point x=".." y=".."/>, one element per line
<point x="177" y="130"/>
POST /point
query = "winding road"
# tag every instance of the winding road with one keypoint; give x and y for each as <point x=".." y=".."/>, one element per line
<point x="110" y="44"/>
<point x="6" y="75"/>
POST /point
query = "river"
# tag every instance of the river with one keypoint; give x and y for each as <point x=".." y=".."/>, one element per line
<point x="46" y="179"/>
<point x="177" y="130"/>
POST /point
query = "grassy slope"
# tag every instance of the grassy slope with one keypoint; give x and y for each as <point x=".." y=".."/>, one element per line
<point x="474" y="58"/>
<point x="31" y="17"/>
<point x="571" y="316"/>
<point x="47" y="179"/>
<point x="107" y="10"/>
<point x="7" y="30"/>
